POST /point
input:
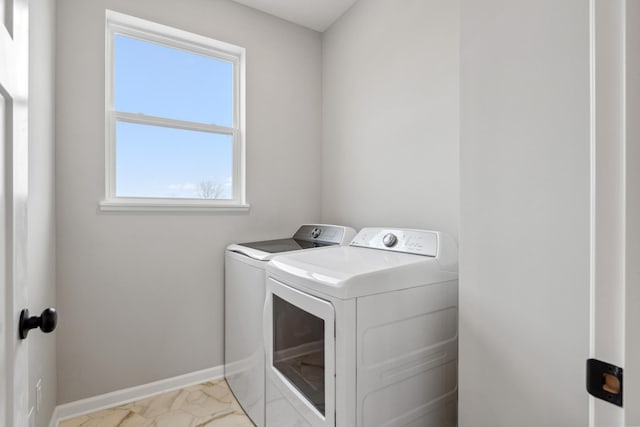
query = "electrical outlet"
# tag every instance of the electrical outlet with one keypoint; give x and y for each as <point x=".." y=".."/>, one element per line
<point x="38" y="394"/>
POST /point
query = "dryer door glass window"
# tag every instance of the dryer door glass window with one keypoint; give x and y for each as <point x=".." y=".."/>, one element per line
<point x="298" y="350"/>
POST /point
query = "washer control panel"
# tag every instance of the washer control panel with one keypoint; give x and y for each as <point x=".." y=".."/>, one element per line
<point x="418" y="242"/>
<point x="331" y="234"/>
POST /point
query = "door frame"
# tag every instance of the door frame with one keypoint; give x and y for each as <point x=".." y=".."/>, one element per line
<point x="611" y="183"/>
<point x="632" y="272"/>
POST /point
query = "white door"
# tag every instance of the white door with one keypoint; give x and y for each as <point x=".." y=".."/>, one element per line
<point x="14" y="396"/>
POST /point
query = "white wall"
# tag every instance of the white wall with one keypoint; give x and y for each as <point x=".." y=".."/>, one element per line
<point x="41" y="218"/>
<point x="390" y="115"/>
<point x="141" y="295"/>
<point x="524" y="228"/>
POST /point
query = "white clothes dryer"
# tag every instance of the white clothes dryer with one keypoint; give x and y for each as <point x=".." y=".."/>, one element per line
<point x="244" y="301"/>
<point x="364" y="335"/>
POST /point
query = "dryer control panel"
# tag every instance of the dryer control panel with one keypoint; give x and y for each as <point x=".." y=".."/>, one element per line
<point x="418" y="242"/>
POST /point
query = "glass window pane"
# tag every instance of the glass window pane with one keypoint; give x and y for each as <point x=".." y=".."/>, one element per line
<point x="154" y="161"/>
<point x="298" y="350"/>
<point x="162" y="81"/>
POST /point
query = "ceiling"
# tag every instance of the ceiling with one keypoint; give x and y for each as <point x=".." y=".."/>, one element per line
<point x="315" y="14"/>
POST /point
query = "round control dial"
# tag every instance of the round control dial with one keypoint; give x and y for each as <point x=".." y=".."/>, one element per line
<point x="315" y="232"/>
<point x="389" y="240"/>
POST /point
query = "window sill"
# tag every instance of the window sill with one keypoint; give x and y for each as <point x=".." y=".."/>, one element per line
<point x="154" y="205"/>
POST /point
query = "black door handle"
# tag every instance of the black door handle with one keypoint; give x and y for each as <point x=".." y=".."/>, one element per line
<point x="47" y="321"/>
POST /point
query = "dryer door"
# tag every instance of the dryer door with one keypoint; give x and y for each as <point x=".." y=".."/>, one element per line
<point x="300" y="353"/>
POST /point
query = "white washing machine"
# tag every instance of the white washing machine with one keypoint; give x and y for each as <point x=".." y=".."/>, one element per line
<point x="244" y="301"/>
<point x="364" y="335"/>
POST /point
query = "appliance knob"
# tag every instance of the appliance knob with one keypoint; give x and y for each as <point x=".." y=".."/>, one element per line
<point x="315" y="232"/>
<point x="389" y="240"/>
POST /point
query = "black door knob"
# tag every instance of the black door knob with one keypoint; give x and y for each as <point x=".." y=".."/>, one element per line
<point x="47" y="321"/>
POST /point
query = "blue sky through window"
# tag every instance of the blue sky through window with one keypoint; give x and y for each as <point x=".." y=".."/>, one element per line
<point x="154" y="161"/>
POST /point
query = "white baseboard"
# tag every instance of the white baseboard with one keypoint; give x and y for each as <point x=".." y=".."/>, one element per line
<point x="120" y="397"/>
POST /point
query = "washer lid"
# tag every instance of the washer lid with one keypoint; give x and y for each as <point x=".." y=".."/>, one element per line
<point x="308" y="236"/>
<point x="352" y="271"/>
<point x="266" y="249"/>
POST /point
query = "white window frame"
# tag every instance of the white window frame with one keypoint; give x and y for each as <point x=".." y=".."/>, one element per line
<point x="118" y="23"/>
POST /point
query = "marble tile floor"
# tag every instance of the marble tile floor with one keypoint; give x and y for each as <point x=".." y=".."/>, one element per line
<point x="210" y="404"/>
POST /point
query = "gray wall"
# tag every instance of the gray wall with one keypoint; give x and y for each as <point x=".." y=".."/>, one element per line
<point x="390" y="115"/>
<point x="141" y="295"/>
<point x="41" y="218"/>
<point x="524" y="227"/>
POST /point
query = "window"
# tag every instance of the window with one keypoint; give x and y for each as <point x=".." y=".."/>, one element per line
<point x="174" y="119"/>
